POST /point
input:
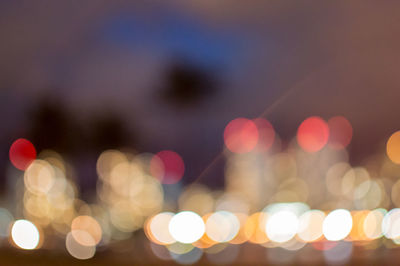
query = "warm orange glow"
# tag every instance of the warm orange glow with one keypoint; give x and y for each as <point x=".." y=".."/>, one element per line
<point x="205" y="241"/>
<point x="310" y="226"/>
<point x="241" y="236"/>
<point x="241" y="135"/>
<point x="357" y="232"/>
<point x="158" y="228"/>
<point x="255" y="228"/>
<point x="393" y="147"/>
<point x="86" y="230"/>
<point x="313" y="134"/>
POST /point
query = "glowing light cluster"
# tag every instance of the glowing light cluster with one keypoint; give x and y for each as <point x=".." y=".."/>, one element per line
<point x="314" y="133"/>
<point x="130" y="196"/>
<point x="49" y="195"/>
<point x="128" y="189"/>
<point x="285" y="227"/>
<point x="243" y="135"/>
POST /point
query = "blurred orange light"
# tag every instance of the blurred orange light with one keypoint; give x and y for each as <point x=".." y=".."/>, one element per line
<point x="241" y="135"/>
<point x="340" y="132"/>
<point x="255" y="228"/>
<point x="393" y="147"/>
<point x="22" y="153"/>
<point x="241" y="236"/>
<point x="167" y="166"/>
<point x="313" y="134"/>
<point x="357" y="232"/>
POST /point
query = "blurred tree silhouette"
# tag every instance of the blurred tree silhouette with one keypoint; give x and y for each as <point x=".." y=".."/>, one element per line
<point x="52" y="127"/>
<point x="108" y="131"/>
<point x="187" y="84"/>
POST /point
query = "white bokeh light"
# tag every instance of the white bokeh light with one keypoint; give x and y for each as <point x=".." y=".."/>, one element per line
<point x="282" y="226"/>
<point x="310" y="225"/>
<point x="391" y="224"/>
<point x="186" y="227"/>
<point x="337" y="225"/>
<point x="222" y="226"/>
<point x="25" y="234"/>
<point x="159" y="227"/>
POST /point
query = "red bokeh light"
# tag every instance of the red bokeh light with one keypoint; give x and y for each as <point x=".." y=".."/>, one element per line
<point x="266" y="134"/>
<point x="313" y="134"/>
<point x="167" y="166"/>
<point x="340" y="131"/>
<point x="22" y="153"/>
<point x="241" y="135"/>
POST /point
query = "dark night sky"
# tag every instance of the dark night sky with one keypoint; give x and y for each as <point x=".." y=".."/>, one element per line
<point x="291" y="60"/>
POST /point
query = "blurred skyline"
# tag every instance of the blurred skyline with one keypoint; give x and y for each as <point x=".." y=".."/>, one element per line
<point x="289" y="60"/>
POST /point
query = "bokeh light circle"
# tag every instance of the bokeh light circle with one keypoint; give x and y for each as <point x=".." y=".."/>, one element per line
<point x="25" y="234"/>
<point x="282" y="226"/>
<point x="340" y="132"/>
<point x="337" y="225"/>
<point x="22" y="153"/>
<point x="186" y="227"/>
<point x="313" y="134"/>
<point x="391" y="224"/>
<point x="372" y="226"/>
<point x="158" y="226"/>
<point x="222" y="226"/>
<point x="266" y="134"/>
<point x="241" y="135"/>
<point x="77" y="250"/>
<point x="86" y="230"/>
<point x="167" y="166"/>
<point x="393" y="147"/>
<point x="310" y="225"/>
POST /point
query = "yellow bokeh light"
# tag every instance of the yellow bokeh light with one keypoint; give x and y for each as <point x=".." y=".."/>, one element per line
<point x="254" y="228"/>
<point x="82" y="224"/>
<point x="357" y="233"/>
<point x="39" y="177"/>
<point x="107" y="161"/>
<point x="158" y="226"/>
<point x="77" y="250"/>
<point x="310" y="225"/>
<point x="373" y="223"/>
